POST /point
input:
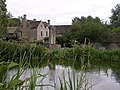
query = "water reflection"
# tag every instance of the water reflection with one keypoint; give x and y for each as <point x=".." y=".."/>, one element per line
<point x="51" y="73"/>
<point x="102" y="76"/>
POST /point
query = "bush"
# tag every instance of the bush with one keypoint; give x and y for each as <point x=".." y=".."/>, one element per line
<point x="15" y="51"/>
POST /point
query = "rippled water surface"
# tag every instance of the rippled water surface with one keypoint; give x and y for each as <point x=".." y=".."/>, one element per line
<point x="97" y="78"/>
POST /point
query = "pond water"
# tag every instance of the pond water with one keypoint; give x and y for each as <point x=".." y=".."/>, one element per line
<point x="100" y="77"/>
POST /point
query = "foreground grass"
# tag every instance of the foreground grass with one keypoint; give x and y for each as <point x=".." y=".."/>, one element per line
<point x="32" y="56"/>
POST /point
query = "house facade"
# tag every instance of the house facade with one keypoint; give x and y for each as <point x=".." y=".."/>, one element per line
<point x="31" y="30"/>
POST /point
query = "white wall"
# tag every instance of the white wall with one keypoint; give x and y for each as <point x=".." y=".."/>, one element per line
<point x="43" y="29"/>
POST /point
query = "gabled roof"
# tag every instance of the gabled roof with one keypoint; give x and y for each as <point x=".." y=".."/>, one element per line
<point x="45" y="24"/>
<point x="34" y="24"/>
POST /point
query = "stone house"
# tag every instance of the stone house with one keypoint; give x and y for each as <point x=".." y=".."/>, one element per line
<point x="31" y="30"/>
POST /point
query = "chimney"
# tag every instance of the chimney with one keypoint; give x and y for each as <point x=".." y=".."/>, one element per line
<point x="34" y="19"/>
<point x="49" y="22"/>
<point x="24" y="16"/>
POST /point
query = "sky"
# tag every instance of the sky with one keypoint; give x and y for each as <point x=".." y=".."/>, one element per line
<point x="61" y="12"/>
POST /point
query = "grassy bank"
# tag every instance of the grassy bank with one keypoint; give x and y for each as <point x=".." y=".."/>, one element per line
<point x="10" y="51"/>
<point x="88" y="53"/>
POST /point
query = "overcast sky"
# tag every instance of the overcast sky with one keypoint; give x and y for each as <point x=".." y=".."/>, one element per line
<point x="61" y="11"/>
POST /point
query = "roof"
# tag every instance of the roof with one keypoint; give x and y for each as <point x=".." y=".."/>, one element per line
<point x="34" y="24"/>
<point x="45" y="24"/>
<point x="12" y="29"/>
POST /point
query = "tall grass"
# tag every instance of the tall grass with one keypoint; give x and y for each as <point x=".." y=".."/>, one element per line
<point x="30" y="83"/>
<point x="10" y="51"/>
<point x="71" y="80"/>
<point x="21" y="57"/>
<point x="13" y="51"/>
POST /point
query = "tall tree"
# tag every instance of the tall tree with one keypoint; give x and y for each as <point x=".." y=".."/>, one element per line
<point x="90" y="28"/>
<point x="3" y="18"/>
<point x="115" y="18"/>
<point x="13" y="22"/>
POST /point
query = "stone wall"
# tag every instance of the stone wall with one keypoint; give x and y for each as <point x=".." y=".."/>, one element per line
<point x="105" y="45"/>
<point x="52" y="35"/>
<point x="32" y="34"/>
<point x="62" y="29"/>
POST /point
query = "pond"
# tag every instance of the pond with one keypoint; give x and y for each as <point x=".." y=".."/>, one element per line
<point x="101" y="76"/>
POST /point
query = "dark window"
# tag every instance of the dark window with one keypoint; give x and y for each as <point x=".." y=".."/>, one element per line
<point x="41" y="33"/>
<point x="46" y="33"/>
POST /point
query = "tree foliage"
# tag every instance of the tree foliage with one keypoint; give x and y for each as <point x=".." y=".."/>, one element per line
<point x="3" y="18"/>
<point x="115" y="18"/>
<point x="13" y="22"/>
<point x="65" y="40"/>
<point x="90" y="28"/>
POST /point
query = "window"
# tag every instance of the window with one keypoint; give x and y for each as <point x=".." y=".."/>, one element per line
<point x="46" y="33"/>
<point x="41" y="33"/>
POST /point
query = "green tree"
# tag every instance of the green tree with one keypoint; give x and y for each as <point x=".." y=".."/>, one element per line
<point x="115" y="18"/>
<point x="64" y="40"/>
<point x="13" y="22"/>
<point x="90" y="28"/>
<point x="3" y="18"/>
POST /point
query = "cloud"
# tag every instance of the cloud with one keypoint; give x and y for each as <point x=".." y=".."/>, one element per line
<point x="61" y="11"/>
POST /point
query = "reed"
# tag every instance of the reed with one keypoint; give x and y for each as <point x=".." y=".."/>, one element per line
<point x="30" y="83"/>
<point x="77" y="81"/>
<point x="10" y="51"/>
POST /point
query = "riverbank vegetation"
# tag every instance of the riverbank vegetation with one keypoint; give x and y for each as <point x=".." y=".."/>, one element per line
<point x="11" y="51"/>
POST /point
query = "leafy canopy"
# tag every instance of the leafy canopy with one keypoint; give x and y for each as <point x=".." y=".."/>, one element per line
<point x="115" y="18"/>
<point x="89" y="28"/>
<point x="13" y="22"/>
<point x="3" y="18"/>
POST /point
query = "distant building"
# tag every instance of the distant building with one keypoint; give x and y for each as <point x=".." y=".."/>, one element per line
<point x="37" y="30"/>
<point x="34" y="30"/>
<point x="12" y="33"/>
